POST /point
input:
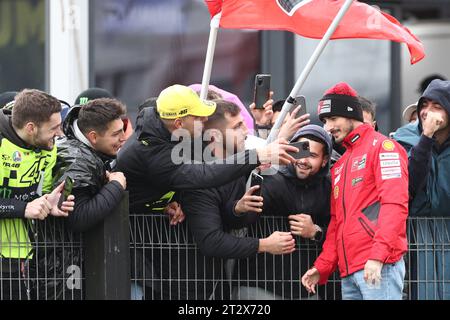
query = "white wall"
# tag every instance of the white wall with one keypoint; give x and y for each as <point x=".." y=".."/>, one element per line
<point x="68" y="48"/>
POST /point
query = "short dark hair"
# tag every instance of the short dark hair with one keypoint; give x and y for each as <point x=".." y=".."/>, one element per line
<point x="277" y="106"/>
<point x="222" y="107"/>
<point x="35" y="106"/>
<point x="97" y="114"/>
<point x="426" y="82"/>
<point x="368" y="106"/>
<point x="213" y="95"/>
<point x="316" y="139"/>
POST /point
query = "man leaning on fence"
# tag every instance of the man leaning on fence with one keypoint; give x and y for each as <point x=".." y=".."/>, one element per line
<point x="211" y="213"/>
<point x="428" y="144"/>
<point x="366" y="236"/>
<point x="28" y="156"/>
<point x="301" y="193"/>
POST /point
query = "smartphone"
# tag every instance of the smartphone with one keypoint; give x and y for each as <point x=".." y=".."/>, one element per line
<point x="257" y="180"/>
<point x="299" y="101"/>
<point x="262" y="90"/>
<point x="303" y="147"/>
<point x="68" y="185"/>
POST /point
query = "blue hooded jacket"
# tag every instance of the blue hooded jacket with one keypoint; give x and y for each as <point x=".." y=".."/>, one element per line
<point x="429" y="163"/>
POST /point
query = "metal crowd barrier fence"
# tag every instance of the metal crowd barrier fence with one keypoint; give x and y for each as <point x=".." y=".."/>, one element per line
<point x="166" y="263"/>
<point x="43" y="260"/>
<point x="168" y="266"/>
<point x="44" y="263"/>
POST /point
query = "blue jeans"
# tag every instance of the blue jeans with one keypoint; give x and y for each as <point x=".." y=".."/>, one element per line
<point x="137" y="292"/>
<point x="354" y="287"/>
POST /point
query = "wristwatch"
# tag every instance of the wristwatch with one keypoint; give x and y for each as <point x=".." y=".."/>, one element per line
<point x="319" y="233"/>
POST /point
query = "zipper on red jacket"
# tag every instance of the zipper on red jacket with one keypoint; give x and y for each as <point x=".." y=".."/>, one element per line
<point x="345" y="212"/>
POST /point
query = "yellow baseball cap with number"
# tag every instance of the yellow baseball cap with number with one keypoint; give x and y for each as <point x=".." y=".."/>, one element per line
<point x="180" y="101"/>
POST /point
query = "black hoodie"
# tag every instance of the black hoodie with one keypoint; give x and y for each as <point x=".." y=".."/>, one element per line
<point x="146" y="161"/>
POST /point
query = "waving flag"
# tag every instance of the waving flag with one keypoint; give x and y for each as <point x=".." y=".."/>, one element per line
<point x="311" y="19"/>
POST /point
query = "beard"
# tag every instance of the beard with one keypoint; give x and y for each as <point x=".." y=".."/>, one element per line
<point x="40" y="143"/>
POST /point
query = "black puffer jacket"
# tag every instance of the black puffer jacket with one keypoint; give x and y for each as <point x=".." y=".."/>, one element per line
<point x="95" y="197"/>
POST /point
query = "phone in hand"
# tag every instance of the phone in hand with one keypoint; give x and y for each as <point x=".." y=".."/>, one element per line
<point x="68" y="186"/>
<point x="262" y="90"/>
<point x="303" y="147"/>
<point x="299" y="101"/>
<point x="257" y="180"/>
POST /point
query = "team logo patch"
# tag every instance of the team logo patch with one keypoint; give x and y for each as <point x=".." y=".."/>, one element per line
<point x="355" y="138"/>
<point x="359" y="163"/>
<point x="291" y="6"/>
<point x="389" y="156"/>
<point x="388" y="145"/>
<point x="336" y="192"/>
<point x="389" y="163"/>
<point x="337" y="179"/>
<point x="357" y="181"/>
<point x="324" y="106"/>
<point x="392" y="170"/>
<point x="338" y="170"/>
<point x="83" y="101"/>
<point x="391" y="176"/>
<point x="17" y="156"/>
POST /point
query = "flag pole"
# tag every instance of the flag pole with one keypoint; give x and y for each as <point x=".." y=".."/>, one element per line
<point x="312" y="61"/>
<point x="215" y="22"/>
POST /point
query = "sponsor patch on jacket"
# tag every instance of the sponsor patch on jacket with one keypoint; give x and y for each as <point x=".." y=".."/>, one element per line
<point x="338" y="170"/>
<point x="391" y="176"/>
<point x="355" y="138"/>
<point x="357" y="181"/>
<point x="392" y="170"/>
<point x="388" y="145"/>
<point x="359" y="163"/>
<point x="17" y="156"/>
<point x="336" y="192"/>
<point x="389" y="163"/>
<point x="337" y="179"/>
<point x="389" y="156"/>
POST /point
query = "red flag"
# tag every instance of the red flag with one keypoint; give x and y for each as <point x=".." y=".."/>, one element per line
<point x="311" y="19"/>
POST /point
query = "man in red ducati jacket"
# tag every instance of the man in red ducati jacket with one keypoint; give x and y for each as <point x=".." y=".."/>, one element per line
<point x="366" y="237"/>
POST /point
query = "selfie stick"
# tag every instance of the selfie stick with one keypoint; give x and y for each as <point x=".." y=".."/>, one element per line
<point x="312" y="61"/>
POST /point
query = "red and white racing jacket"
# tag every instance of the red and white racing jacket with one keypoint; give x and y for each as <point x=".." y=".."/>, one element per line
<point x="369" y="204"/>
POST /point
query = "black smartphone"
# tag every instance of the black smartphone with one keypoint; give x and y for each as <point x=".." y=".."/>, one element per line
<point x="68" y="185"/>
<point x="257" y="180"/>
<point x="299" y="101"/>
<point x="262" y="90"/>
<point x="303" y="150"/>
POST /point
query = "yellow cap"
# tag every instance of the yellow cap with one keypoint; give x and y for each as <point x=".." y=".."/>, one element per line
<point x="179" y="101"/>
